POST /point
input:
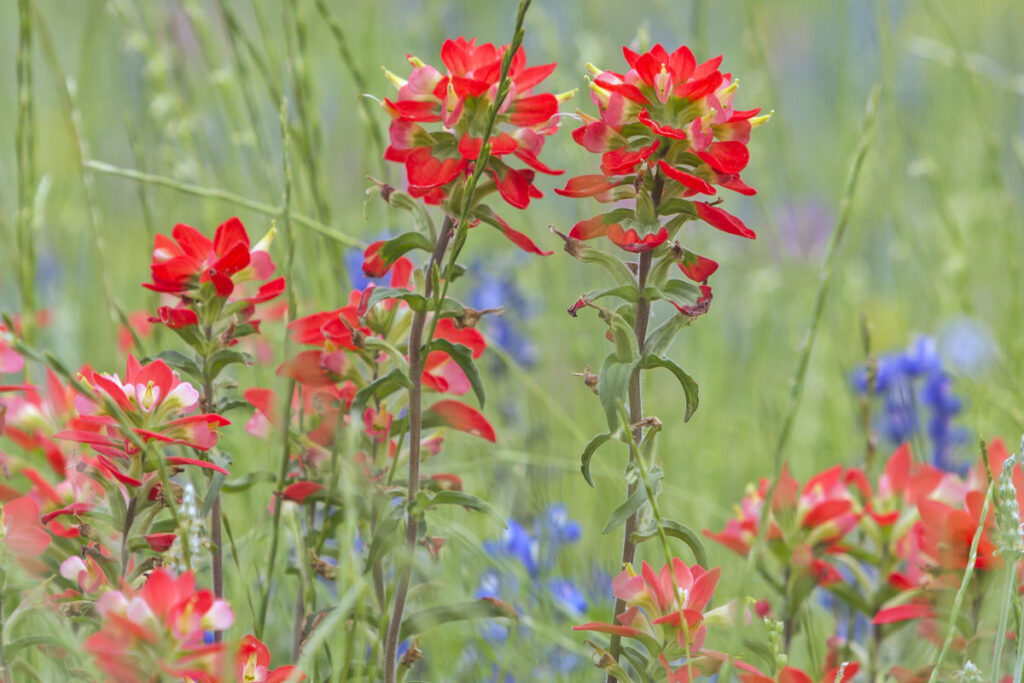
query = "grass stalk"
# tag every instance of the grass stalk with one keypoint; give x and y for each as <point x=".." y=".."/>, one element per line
<point x="221" y="195"/>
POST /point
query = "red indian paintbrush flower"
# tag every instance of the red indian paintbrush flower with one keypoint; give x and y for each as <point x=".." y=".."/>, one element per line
<point x="253" y="664"/>
<point x="666" y="130"/>
<point x="159" y="628"/>
<point x="657" y="603"/>
<point x="440" y="157"/>
<point x="156" y="403"/>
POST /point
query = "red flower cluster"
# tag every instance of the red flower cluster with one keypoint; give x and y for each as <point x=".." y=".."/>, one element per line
<point x="437" y="160"/>
<point x="666" y="130"/>
<point x="159" y="628"/>
<point x="657" y="604"/>
<point x="201" y="270"/>
<point x="156" y="403"/>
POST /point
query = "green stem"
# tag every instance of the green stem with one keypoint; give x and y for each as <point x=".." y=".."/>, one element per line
<point x="958" y="601"/>
<point x="1004" y="618"/>
<point x="222" y="195"/>
<point x="24" y="142"/>
<point x="415" y="426"/>
<point x="635" y="395"/>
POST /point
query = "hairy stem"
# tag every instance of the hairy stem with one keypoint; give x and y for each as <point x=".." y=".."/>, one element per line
<point x="419" y="321"/>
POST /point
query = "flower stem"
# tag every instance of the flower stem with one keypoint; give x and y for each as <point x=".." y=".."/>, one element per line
<point x="643" y="315"/>
<point x="419" y="321"/>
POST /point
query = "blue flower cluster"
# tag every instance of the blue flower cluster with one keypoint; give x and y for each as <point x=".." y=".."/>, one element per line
<point x="525" y="581"/>
<point x="912" y="380"/>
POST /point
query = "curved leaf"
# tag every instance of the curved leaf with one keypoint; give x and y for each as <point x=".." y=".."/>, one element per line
<point x="426" y="499"/>
<point x="589" y="451"/>
<point x="683" y="533"/>
<point x="382" y="385"/>
<point x="690" y="388"/>
<point x="395" y="248"/>
<point x="417" y="302"/>
<point x="612" y="384"/>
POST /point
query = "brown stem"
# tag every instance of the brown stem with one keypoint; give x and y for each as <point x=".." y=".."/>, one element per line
<point x="643" y="315"/>
<point x="419" y="321"/>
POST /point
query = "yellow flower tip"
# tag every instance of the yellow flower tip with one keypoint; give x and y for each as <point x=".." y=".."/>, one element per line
<point x="395" y="79"/>
<point x="594" y="69"/>
<point x="567" y="95"/>
<point x="416" y="61"/>
<point x="760" y="120"/>
<point x="264" y="243"/>
<point x="629" y="569"/>
<point x="731" y="88"/>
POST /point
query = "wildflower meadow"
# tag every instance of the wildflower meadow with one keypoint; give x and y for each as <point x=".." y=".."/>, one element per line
<point x="423" y="340"/>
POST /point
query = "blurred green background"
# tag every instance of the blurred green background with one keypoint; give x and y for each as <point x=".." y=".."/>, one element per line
<point x="191" y="90"/>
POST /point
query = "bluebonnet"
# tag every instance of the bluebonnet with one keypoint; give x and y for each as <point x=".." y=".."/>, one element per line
<point x="496" y="288"/>
<point x="912" y="380"/>
<point x="535" y="550"/>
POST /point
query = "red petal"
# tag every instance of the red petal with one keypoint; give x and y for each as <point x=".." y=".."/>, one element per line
<point x="463" y="418"/>
<point x="176" y="460"/>
<point x="891" y="615"/>
<point x="726" y="157"/>
<point x="688" y="180"/>
<point x="301" y="490"/>
<point x="631" y="241"/>
<point x="723" y="220"/>
<point x="586" y="186"/>
<point x="425" y="170"/>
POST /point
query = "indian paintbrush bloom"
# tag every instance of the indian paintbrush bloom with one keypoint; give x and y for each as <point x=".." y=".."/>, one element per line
<point x="159" y="628"/>
<point x="439" y="157"/>
<point x="666" y="132"/>
<point x="157" y="406"/>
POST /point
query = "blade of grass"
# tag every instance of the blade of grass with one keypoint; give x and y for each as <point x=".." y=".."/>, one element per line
<point x="222" y="195"/>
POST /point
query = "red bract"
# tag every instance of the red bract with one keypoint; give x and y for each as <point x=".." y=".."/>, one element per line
<point x="657" y="603"/>
<point x="159" y="628"/>
<point x="900" y="486"/>
<point x="22" y="533"/>
<point x="672" y="120"/>
<point x="10" y="360"/>
<point x="184" y="263"/>
<point x="252" y="664"/>
<point x="789" y="674"/>
<point x="438" y="158"/>
<point x="156" y="404"/>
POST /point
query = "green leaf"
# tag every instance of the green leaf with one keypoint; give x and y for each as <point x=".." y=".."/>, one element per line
<point x="247" y="481"/>
<point x="463" y="356"/>
<point x="612" y="384"/>
<point x="402" y="200"/>
<point x="177" y="361"/>
<point x="660" y="338"/>
<point x="223" y="358"/>
<point x="618" y="269"/>
<point x="384" y="538"/>
<point x="690" y="388"/>
<point x="427" y="499"/>
<point x="677" y="530"/>
<point x="417" y="302"/>
<point x="12" y="648"/>
<point x="625" y="292"/>
<point x="395" y="248"/>
<point x="848" y="595"/>
<point x="677" y="205"/>
<point x="216" y="481"/>
<point x="396" y="356"/>
<point x="681" y="292"/>
<point x="380" y="386"/>
<point x="484" y="608"/>
<point x="590" y="450"/>
<point x="621" y="514"/>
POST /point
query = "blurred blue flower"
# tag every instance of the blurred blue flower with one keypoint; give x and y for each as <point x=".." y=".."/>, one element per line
<point x="968" y="346"/>
<point x="536" y="552"/>
<point x="496" y="288"/>
<point x="912" y="382"/>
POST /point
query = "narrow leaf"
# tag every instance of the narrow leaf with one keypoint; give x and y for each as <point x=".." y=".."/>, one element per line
<point x="380" y="386"/>
<point x="683" y="533"/>
<point x="690" y="388"/>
